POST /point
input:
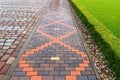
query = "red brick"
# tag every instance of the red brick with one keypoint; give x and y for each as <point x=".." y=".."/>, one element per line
<point x="1" y="64"/>
<point x="5" y="69"/>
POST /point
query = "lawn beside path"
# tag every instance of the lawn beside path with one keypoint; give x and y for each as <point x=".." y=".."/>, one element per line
<point x="102" y="35"/>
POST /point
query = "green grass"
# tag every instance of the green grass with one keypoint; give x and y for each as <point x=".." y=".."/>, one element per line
<point x="106" y="11"/>
<point x="104" y="37"/>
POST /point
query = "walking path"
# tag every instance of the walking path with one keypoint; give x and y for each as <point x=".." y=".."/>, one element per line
<point x="55" y="50"/>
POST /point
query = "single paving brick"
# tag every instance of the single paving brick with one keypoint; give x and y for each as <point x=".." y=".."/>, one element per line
<point x="55" y="73"/>
<point x="84" y="73"/>
<point x="73" y="65"/>
<point x="14" y="54"/>
<point x="34" y="65"/>
<point x="59" y="77"/>
<point x="5" y="57"/>
<point x="6" y="47"/>
<point x="54" y="65"/>
<point x="59" y="61"/>
<point x="1" y="54"/>
<point x="64" y="73"/>
<point x="13" y="46"/>
<point x="24" y="78"/>
<point x="10" y="51"/>
<point x="44" y="65"/>
<point x="1" y="44"/>
<point x="8" y="44"/>
<point x="20" y="73"/>
<point x="89" y="68"/>
<point x="14" y="78"/>
<point x="69" y="68"/>
<point x="39" y="68"/>
<point x="59" y="68"/>
<point x="45" y="73"/>
<point x="82" y="78"/>
<point x="47" y="77"/>
<point x="18" y="69"/>
<point x="1" y="64"/>
<point x="10" y="60"/>
<point x="48" y="68"/>
<point x="5" y="69"/>
<point x="92" y="77"/>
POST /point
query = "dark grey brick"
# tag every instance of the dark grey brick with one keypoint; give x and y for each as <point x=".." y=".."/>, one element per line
<point x="47" y="77"/>
<point x="82" y="78"/>
<point x="54" y="73"/>
<point x="24" y="78"/>
<point x="92" y="77"/>
<point x="20" y="73"/>
<point x="59" y="78"/>
<point x="73" y="65"/>
<point x="18" y="69"/>
<point x="84" y="73"/>
<point x="43" y="73"/>
<point x="64" y="73"/>
<point x="60" y="68"/>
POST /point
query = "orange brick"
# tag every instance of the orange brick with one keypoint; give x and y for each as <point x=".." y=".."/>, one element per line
<point x="79" y="69"/>
<point x="32" y="74"/>
<point x="24" y="65"/>
<point x="42" y="47"/>
<point x="30" y="52"/>
<point x="80" y="53"/>
<point x="25" y="55"/>
<point x="86" y="61"/>
<point x="75" y="50"/>
<point x="71" y="78"/>
<point x="36" y="78"/>
<point x="74" y="73"/>
<point x="83" y="65"/>
<point x="37" y="48"/>
<point x="22" y="61"/>
<point x="84" y="55"/>
<point x="27" y="69"/>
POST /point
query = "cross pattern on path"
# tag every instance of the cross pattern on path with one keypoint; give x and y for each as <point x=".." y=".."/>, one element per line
<point x="51" y="54"/>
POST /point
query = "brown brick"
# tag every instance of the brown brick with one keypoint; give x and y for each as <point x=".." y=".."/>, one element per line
<point x="1" y="64"/>
<point x="5" y="69"/>
<point x="14" y="54"/>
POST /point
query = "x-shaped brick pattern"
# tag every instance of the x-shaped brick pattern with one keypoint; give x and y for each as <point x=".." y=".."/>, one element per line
<point x="34" y="74"/>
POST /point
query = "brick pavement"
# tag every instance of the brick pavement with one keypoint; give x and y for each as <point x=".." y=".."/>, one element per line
<point x="55" y="50"/>
<point x="17" y="20"/>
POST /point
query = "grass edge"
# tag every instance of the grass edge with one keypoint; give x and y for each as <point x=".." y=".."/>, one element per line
<point x="105" y="40"/>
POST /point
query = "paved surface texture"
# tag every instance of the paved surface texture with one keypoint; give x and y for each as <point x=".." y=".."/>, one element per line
<point x="17" y="20"/>
<point x="55" y="50"/>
